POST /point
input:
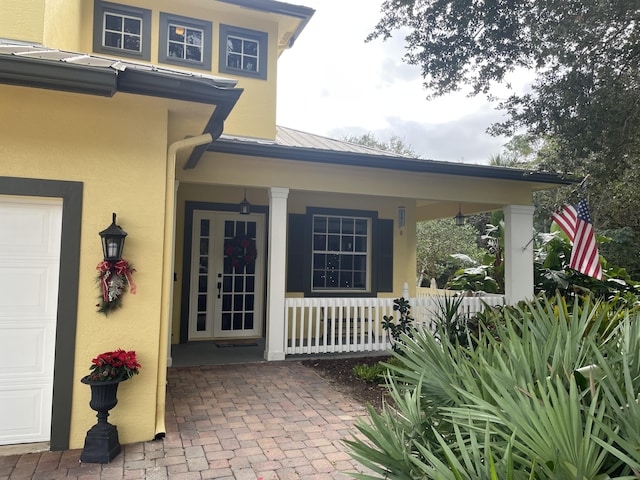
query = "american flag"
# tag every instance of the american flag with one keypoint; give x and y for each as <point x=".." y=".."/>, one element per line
<point x="576" y="223"/>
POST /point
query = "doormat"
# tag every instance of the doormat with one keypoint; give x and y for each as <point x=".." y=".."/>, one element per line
<point x="235" y="343"/>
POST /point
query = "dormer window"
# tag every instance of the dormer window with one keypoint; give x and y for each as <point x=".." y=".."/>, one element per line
<point x="185" y="41"/>
<point x="121" y="30"/>
<point x="243" y="52"/>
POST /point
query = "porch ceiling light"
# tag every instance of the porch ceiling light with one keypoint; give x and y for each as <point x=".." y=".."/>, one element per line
<point x="112" y="241"/>
<point x="245" y="207"/>
<point x="459" y="218"/>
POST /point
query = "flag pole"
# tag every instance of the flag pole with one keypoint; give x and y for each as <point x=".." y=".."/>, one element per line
<point x="581" y="186"/>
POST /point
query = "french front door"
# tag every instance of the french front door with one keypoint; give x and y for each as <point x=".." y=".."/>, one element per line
<point x="227" y="275"/>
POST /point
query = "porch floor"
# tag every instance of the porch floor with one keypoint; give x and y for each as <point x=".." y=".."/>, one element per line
<point x="216" y="353"/>
<point x="250" y="421"/>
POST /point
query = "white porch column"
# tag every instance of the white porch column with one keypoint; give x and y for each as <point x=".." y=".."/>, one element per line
<point x="518" y="253"/>
<point x="276" y="273"/>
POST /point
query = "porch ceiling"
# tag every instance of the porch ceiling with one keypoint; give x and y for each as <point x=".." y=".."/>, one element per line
<point x="433" y="209"/>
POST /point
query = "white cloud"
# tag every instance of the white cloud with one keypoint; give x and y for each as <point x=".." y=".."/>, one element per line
<point x="333" y="83"/>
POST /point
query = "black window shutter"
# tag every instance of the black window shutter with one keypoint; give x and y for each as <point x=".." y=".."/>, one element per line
<point x="296" y="252"/>
<point x="384" y="253"/>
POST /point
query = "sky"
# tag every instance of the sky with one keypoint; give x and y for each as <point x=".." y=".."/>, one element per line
<point x="334" y="84"/>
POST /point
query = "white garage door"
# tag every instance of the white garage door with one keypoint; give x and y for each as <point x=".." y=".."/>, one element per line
<point x="29" y="264"/>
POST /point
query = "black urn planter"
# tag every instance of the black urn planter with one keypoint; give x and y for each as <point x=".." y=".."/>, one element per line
<point x="101" y="445"/>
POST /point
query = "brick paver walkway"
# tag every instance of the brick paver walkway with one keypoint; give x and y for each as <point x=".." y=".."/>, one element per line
<point x="269" y="421"/>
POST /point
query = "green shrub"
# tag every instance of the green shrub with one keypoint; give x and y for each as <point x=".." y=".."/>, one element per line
<point x="403" y="327"/>
<point x="370" y="373"/>
<point x="449" y="322"/>
<point x="551" y="392"/>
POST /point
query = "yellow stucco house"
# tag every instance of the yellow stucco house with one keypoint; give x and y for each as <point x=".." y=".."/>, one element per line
<point x="164" y="112"/>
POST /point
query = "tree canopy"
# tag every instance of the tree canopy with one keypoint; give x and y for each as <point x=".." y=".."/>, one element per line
<point x="585" y="55"/>
<point x="437" y="240"/>
<point x="395" y="144"/>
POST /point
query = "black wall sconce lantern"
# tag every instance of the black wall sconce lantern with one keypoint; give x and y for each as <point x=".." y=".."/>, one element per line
<point x="459" y="218"/>
<point x="245" y="207"/>
<point x="112" y="242"/>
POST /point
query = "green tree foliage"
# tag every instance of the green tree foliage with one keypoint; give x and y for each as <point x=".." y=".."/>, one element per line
<point x="613" y="194"/>
<point x="552" y="273"/>
<point x="585" y="55"/>
<point x="614" y="201"/>
<point x="488" y="276"/>
<point x="437" y="240"/>
<point x="519" y="152"/>
<point x="395" y="144"/>
<point x="623" y="248"/>
<point x="552" y="254"/>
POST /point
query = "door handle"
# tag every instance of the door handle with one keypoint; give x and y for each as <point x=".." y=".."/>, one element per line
<point x="219" y="287"/>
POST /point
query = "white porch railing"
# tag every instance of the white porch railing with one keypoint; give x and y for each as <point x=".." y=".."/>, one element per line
<point x="335" y="325"/>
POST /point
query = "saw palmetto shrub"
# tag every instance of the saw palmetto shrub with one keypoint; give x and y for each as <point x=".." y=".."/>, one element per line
<point x="551" y="392"/>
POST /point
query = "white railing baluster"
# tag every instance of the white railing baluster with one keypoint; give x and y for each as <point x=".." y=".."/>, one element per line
<point x="345" y="326"/>
<point x="369" y="326"/>
<point x="327" y="325"/>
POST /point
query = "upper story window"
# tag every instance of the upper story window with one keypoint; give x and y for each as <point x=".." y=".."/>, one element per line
<point x="243" y="52"/>
<point x="341" y="253"/>
<point x="121" y="30"/>
<point x="185" y="41"/>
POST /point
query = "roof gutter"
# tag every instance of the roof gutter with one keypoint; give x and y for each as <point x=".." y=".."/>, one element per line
<point x="189" y="89"/>
<point x="29" y="72"/>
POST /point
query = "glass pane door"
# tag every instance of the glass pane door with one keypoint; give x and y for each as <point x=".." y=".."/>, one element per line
<point x="227" y="275"/>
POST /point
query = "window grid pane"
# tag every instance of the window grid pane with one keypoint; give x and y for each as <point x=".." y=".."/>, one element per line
<point x="123" y="32"/>
<point x="185" y="43"/>
<point x="340" y="253"/>
<point x="242" y="53"/>
<point x="203" y="276"/>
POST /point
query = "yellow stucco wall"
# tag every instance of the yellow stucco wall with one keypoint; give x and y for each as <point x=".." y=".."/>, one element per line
<point x="120" y="160"/>
<point x="39" y="21"/>
<point x="66" y="34"/>
<point x="23" y="20"/>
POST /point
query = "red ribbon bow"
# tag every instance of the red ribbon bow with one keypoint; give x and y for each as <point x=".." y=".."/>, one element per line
<point x="121" y="267"/>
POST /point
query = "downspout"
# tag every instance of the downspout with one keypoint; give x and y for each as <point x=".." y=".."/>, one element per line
<point x="166" y="309"/>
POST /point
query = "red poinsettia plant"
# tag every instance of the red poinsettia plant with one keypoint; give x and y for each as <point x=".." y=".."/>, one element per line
<point x="117" y="365"/>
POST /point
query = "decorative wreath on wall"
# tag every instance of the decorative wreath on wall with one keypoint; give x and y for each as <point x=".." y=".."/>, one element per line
<point x="114" y="278"/>
<point x="240" y="251"/>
